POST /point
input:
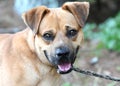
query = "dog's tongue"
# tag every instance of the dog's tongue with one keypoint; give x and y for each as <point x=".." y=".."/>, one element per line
<point x="64" y="67"/>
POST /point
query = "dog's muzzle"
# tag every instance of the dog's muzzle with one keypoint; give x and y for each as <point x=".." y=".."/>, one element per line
<point x="63" y="59"/>
<point x="64" y="62"/>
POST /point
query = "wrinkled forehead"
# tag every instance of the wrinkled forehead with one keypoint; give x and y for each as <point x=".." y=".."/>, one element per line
<point x="58" y="18"/>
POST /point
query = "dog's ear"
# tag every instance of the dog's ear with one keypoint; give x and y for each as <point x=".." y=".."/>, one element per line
<point x="80" y="10"/>
<point x="33" y="17"/>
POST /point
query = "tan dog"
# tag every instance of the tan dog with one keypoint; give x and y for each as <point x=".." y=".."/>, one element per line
<point x="47" y="48"/>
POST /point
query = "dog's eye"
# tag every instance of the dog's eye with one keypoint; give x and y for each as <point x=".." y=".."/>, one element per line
<point x="71" y="33"/>
<point x="48" y="36"/>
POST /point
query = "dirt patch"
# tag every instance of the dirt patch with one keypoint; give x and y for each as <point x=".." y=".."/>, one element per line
<point x="108" y="64"/>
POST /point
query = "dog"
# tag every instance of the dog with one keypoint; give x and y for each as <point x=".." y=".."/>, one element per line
<point x="47" y="48"/>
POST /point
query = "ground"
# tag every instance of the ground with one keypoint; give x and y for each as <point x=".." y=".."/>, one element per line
<point x="108" y="64"/>
<point x="108" y="61"/>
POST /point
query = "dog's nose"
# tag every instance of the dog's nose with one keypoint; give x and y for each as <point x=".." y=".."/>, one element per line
<point x="62" y="52"/>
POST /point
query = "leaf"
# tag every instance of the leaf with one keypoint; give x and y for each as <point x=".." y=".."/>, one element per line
<point x="66" y="84"/>
<point x="111" y="44"/>
<point x="112" y="84"/>
<point x="118" y="68"/>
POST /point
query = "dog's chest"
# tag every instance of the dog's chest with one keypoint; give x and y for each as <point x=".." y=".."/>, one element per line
<point x="46" y="80"/>
<point x="32" y="77"/>
<point x="39" y="75"/>
<point x="50" y="81"/>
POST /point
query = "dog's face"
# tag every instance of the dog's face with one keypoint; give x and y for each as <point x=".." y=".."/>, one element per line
<point x="58" y="33"/>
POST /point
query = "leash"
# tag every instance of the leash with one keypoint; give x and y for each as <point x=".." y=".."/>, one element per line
<point x="91" y="73"/>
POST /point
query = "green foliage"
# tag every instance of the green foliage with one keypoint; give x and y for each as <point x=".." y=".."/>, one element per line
<point x="108" y="35"/>
<point x="88" y="31"/>
<point x="112" y="84"/>
<point x="118" y="68"/>
<point x="66" y="84"/>
<point x="91" y="1"/>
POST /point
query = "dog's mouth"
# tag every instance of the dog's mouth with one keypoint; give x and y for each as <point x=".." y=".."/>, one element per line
<point x="63" y="65"/>
<point x="64" y="68"/>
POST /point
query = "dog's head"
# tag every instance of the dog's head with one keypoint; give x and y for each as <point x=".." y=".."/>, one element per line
<point x="58" y="32"/>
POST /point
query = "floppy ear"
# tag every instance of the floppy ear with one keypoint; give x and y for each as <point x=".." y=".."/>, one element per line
<point x="33" y="17"/>
<point x="80" y="11"/>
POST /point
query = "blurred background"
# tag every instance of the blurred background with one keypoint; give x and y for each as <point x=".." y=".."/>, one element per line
<point x="101" y="49"/>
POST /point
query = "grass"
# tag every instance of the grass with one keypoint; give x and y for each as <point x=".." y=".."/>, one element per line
<point x="108" y="33"/>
